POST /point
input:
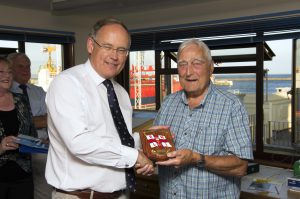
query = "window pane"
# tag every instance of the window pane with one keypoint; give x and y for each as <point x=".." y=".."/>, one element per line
<point x="297" y="93"/>
<point x="142" y="80"/>
<point x="232" y="57"/>
<point x="8" y="44"/>
<point x="7" y="47"/>
<point x="277" y="99"/>
<point x="46" y="62"/>
<point x="168" y="84"/>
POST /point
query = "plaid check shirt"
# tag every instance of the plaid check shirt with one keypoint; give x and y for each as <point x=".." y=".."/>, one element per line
<point x="218" y="126"/>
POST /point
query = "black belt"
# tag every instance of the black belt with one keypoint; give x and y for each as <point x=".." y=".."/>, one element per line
<point x="86" y="194"/>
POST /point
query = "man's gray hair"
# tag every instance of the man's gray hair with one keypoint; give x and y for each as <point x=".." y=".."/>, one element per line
<point x="12" y="56"/>
<point x="197" y="42"/>
<point x="107" y="21"/>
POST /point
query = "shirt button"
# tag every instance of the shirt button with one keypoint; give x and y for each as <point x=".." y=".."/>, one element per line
<point x="185" y="133"/>
<point x="174" y="193"/>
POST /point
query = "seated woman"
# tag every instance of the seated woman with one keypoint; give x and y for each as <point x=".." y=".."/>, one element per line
<point x="15" y="118"/>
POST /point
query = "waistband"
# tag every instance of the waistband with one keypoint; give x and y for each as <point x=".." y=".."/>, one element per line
<point x="90" y="194"/>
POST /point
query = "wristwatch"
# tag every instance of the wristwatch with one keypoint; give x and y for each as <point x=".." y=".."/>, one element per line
<point x="201" y="162"/>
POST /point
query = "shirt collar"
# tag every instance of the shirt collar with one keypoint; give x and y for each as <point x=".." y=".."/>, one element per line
<point x="15" y="85"/>
<point x="96" y="78"/>
<point x="210" y="90"/>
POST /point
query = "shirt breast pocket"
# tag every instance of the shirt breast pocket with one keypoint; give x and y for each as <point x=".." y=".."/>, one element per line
<point x="210" y="140"/>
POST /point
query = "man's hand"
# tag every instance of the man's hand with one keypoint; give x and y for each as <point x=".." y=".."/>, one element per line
<point x="179" y="158"/>
<point x="143" y="165"/>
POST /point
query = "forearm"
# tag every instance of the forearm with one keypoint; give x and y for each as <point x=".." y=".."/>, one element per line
<point x="40" y="121"/>
<point x="226" y="165"/>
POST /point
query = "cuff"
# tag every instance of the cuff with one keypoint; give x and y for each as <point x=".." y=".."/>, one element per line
<point x="128" y="157"/>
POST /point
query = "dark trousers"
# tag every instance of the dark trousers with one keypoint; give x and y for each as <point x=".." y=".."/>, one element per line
<point x="22" y="189"/>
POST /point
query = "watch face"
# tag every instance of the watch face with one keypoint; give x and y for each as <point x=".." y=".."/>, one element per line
<point x="201" y="162"/>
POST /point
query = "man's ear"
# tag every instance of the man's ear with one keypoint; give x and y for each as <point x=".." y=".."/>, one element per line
<point x="212" y="68"/>
<point x="90" y="45"/>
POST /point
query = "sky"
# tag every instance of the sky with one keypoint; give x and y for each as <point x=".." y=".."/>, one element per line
<point x="282" y="62"/>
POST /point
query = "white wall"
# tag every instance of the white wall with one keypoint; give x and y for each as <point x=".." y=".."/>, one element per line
<point x="190" y="13"/>
<point x="26" y="18"/>
<point x="207" y="11"/>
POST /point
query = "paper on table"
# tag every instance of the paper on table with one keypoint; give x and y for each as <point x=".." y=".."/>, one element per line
<point x="264" y="185"/>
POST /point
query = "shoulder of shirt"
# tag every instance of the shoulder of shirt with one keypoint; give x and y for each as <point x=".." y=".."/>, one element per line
<point x="118" y="86"/>
<point x="75" y="71"/>
<point x="176" y="95"/>
<point x="18" y="96"/>
<point x="71" y="76"/>
<point x="32" y="86"/>
<point x="224" y="95"/>
<point x="173" y="97"/>
<point x="14" y="86"/>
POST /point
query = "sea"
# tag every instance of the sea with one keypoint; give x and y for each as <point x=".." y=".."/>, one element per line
<point x="246" y="83"/>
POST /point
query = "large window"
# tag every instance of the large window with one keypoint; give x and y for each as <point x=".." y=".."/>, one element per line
<point x="257" y="60"/>
<point x="49" y="51"/>
<point x="142" y="80"/>
<point x="46" y="62"/>
<point x="277" y="125"/>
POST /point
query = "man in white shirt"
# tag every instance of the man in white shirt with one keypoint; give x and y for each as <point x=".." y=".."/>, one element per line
<point x="86" y="158"/>
<point x="36" y="95"/>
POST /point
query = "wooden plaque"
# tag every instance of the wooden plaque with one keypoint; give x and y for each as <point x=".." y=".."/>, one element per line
<point x="157" y="143"/>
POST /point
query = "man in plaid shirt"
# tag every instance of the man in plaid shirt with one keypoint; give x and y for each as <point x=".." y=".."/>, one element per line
<point x="212" y="135"/>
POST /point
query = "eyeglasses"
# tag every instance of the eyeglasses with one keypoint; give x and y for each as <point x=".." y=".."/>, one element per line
<point x="196" y="63"/>
<point x="120" y="51"/>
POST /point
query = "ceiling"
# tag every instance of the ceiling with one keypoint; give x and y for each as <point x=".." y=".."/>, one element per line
<point x="95" y="7"/>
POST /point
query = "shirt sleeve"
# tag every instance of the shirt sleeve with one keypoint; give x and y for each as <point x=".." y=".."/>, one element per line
<point x="238" y="141"/>
<point x="68" y="123"/>
<point x="42" y="94"/>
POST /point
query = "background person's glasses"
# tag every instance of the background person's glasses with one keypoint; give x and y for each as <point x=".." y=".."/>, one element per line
<point x="120" y="51"/>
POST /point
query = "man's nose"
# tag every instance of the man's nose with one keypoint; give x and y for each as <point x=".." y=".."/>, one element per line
<point x="114" y="53"/>
<point x="189" y="69"/>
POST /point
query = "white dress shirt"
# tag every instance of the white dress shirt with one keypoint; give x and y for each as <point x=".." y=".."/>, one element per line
<point x="85" y="149"/>
<point x="36" y="97"/>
